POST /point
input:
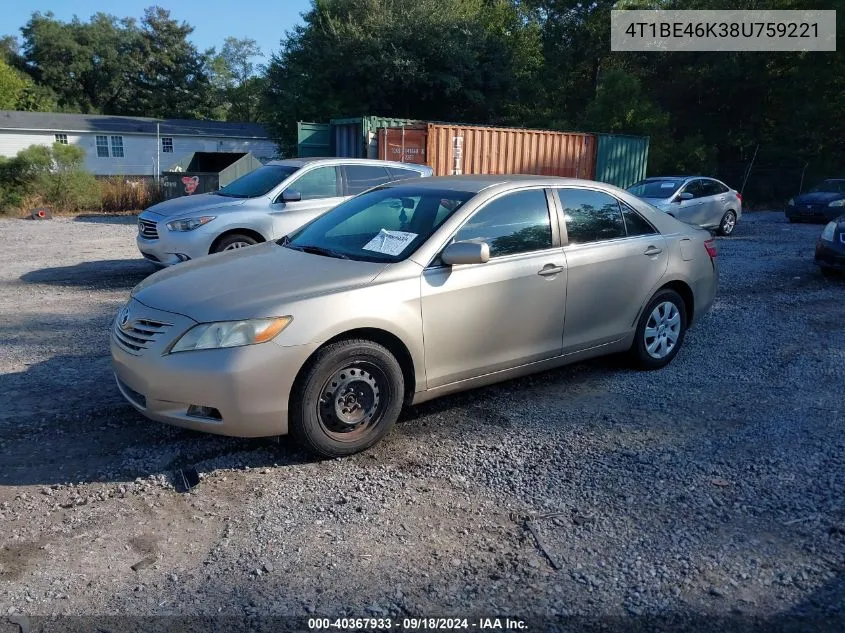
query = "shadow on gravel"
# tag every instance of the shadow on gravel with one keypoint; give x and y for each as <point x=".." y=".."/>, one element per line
<point x="108" y="274"/>
<point x="63" y="421"/>
<point x="107" y="219"/>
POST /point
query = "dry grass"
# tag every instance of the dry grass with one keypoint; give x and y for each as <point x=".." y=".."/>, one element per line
<point x="123" y="194"/>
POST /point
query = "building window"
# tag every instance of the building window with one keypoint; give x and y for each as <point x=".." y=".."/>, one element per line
<point x="102" y="146"/>
<point x="167" y="145"/>
<point x="117" y="146"/>
<point x="61" y="138"/>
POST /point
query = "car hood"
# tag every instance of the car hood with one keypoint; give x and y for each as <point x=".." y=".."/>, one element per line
<point x="818" y="196"/>
<point x="254" y="282"/>
<point x="189" y="204"/>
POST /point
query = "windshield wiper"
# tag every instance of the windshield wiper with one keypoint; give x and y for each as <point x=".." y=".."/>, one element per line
<point x="319" y="250"/>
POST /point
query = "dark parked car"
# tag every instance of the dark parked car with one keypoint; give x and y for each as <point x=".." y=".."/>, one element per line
<point x="830" y="249"/>
<point x="822" y="203"/>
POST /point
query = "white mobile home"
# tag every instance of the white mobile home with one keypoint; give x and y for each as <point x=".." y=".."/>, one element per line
<point x="130" y="146"/>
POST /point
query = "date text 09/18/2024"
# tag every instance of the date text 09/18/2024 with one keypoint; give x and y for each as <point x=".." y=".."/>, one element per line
<point x="416" y="624"/>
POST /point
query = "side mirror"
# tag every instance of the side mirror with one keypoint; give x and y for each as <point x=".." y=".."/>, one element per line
<point x="289" y="195"/>
<point x="459" y="253"/>
<point x="684" y="196"/>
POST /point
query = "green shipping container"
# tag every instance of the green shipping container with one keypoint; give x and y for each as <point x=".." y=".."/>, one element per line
<point x="313" y="139"/>
<point x="352" y="137"/>
<point x="621" y="160"/>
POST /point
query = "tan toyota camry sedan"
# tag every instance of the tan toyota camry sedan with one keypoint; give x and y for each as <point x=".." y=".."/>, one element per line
<point x="404" y="293"/>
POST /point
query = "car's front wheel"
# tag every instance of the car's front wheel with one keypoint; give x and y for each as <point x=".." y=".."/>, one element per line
<point x="728" y="223"/>
<point x="660" y="331"/>
<point x="234" y="241"/>
<point x="347" y="399"/>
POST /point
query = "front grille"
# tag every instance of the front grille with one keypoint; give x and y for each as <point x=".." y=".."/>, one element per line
<point x="139" y="334"/>
<point x="147" y="229"/>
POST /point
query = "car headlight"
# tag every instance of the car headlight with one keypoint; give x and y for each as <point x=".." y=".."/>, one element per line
<point x="231" y="334"/>
<point x="790" y="202"/>
<point x="829" y="231"/>
<point x="189" y="224"/>
<point x="837" y="203"/>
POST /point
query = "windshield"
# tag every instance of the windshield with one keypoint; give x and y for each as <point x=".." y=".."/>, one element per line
<point x="655" y="188"/>
<point x="257" y="183"/>
<point x="381" y="225"/>
<point x="829" y="186"/>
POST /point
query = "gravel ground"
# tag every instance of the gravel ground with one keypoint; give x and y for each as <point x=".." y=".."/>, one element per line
<point x="714" y="488"/>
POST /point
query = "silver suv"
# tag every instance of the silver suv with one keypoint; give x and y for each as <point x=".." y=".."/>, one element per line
<point x="265" y="204"/>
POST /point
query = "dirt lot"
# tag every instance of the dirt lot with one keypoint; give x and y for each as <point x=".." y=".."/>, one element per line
<point x="715" y="487"/>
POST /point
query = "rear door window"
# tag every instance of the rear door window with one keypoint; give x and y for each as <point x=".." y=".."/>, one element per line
<point x="397" y="173"/>
<point x="711" y="188"/>
<point x="591" y="216"/>
<point x="362" y="177"/>
<point x="635" y="224"/>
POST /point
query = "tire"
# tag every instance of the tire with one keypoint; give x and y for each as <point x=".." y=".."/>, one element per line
<point x="829" y="273"/>
<point x="728" y="223"/>
<point x="234" y="241"/>
<point x="662" y="301"/>
<point x="374" y="387"/>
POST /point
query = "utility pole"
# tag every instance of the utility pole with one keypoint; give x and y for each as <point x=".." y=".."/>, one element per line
<point x="158" y="152"/>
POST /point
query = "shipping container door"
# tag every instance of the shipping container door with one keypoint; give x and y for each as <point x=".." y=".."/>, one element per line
<point x="621" y="160"/>
<point x="313" y="139"/>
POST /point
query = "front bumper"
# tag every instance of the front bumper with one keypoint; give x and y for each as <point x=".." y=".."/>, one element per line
<point x="249" y="386"/>
<point x="801" y="213"/>
<point x="831" y="254"/>
<point x="172" y="247"/>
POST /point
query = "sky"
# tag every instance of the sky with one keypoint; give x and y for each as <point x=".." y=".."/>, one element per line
<point x="265" y="21"/>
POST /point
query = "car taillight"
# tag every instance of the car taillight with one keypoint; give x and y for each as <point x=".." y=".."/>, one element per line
<point x="710" y="247"/>
<point x="739" y="195"/>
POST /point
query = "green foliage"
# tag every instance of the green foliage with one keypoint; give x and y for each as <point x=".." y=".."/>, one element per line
<point x="234" y="79"/>
<point x="12" y="85"/>
<point x="457" y="60"/>
<point x="48" y="175"/>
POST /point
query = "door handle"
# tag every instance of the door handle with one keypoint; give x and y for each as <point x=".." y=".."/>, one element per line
<point x="550" y="269"/>
<point x="653" y="250"/>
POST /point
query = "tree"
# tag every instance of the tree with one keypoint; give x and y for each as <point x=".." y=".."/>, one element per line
<point x="470" y="60"/>
<point x="18" y="92"/>
<point x="234" y="77"/>
<point x="117" y="66"/>
<point x="172" y="77"/>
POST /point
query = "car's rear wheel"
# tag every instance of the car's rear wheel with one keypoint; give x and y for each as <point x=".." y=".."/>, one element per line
<point x="234" y="241"/>
<point x="347" y="399"/>
<point x="660" y="331"/>
<point x="728" y="223"/>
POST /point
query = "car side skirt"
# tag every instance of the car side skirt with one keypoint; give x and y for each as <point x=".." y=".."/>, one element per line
<point x="620" y="345"/>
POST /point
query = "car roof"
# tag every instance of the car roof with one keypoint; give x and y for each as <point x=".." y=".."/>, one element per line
<point x="478" y="182"/>
<point x="333" y="160"/>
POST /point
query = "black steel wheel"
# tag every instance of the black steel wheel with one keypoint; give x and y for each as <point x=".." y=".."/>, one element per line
<point x="347" y="399"/>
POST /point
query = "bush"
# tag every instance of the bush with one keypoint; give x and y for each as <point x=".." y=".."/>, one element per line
<point x="122" y="194"/>
<point x="52" y="176"/>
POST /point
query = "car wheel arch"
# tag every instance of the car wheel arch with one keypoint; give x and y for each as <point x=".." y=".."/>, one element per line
<point x="389" y="340"/>
<point x="679" y="286"/>
<point x="236" y="231"/>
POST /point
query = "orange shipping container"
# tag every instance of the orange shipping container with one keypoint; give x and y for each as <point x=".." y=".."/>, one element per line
<point x="405" y="145"/>
<point x="459" y="149"/>
<point x="468" y="149"/>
